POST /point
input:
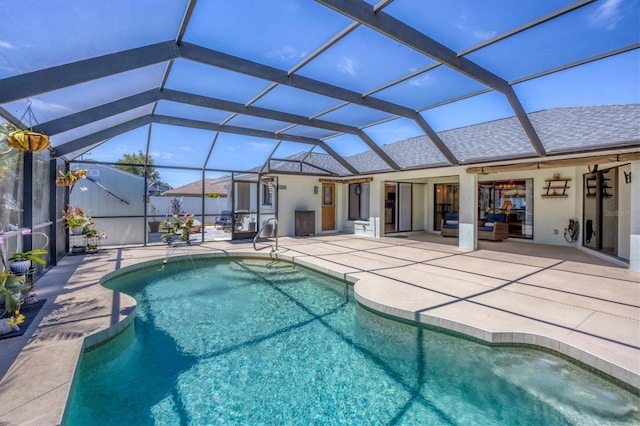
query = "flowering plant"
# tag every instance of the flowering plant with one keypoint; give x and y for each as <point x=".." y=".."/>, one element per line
<point x="10" y="302"/>
<point x="32" y="254"/>
<point x="74" y="216"/>
<point x="181" y="226"/>
<point x="98" y="233"/>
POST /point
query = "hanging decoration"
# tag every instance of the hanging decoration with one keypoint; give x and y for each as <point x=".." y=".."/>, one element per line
<point x="25" y="140"/>
<point x="71" y="177"/>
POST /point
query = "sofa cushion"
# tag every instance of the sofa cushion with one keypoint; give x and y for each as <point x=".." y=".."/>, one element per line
<point x="450" y="226"/>
<point x="485" y="228"/>
<point x="450" y="216"/>
<point x="497" y="217"/>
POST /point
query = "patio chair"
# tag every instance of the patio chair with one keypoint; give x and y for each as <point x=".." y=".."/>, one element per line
<point x="494" y="228"/>
<point x="225" y="220"/>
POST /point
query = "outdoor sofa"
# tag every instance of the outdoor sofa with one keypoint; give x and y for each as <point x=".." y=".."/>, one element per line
<point x="493" y="228"/>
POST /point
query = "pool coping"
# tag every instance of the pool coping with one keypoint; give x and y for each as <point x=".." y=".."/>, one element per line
<point x="51" y="394"/>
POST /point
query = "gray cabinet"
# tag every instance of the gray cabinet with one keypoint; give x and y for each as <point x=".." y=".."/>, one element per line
<point x="305" y="222"/>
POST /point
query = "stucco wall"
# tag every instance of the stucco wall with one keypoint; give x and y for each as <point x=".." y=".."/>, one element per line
<point x="550" y="215"/>
<point x="296" y="193"/>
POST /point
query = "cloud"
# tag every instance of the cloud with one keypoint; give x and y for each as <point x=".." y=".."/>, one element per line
<point x="483" y="35"/>
<point x="422" y="80"/>
<point x="286" y="54"/>
<point x="6" y="45"/>
<point x="57" y="109"/>
<point x="347" y="66"/>
<point x="161" y="155"/>
<point x="477" y="35"/>
<point x="607" y="15"/>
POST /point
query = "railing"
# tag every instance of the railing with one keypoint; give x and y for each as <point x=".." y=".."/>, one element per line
<point x="274" y="230"/>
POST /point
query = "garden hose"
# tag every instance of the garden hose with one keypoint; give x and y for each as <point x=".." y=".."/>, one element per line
<point x="571" y="233"/>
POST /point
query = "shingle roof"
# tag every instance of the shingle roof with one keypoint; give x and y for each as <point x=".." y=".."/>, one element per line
<point x="195" y="189"/>
<point x="561" y="129"/>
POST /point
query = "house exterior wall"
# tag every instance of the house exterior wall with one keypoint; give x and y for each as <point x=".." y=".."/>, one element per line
<point x="298" y="195"/>
<point x="550" y="215"/>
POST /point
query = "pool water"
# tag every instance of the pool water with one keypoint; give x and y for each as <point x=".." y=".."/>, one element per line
<point x="242" y="341"/>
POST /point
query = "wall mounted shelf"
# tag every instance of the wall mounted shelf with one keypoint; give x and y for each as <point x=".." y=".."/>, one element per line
<point x="556" y="188"/>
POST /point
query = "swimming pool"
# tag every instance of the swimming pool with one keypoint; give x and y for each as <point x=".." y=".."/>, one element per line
<point x="244" y="341"/>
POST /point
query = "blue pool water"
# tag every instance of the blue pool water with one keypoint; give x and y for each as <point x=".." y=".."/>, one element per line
<point x="240" y="341"/>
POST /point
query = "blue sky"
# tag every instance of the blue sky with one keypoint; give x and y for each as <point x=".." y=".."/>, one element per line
<point x="283" y="34"/>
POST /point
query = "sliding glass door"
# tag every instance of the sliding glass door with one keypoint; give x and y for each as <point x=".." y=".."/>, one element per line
<point x="513" y="198"/>
<point x="600" y="208"/>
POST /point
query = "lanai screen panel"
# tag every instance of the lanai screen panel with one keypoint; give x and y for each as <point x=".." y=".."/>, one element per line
<point x="99" y="131"/>
<point x="240" y="153"/>
<point x="68" y="100"/>
<point x="465" y="23"/>
<point x="257" y="123"/>
<point x="179" y="146"/>
<point x="357" y="153"/>
<point x="296" y="101"/>
<point x="591" y="30"/>
<point x="191" y="112"/>
<point x="430" y="88"/>
<point x="210" y="81"/>
<point x="113" y="149"/>
<point x="45" y="34"/>
<point x="354" y="64"/>
<point x="279" y="35"/>
<point x="308" y="71"/>
<point x="619" y="76"/>
<point x="406" y="143"/>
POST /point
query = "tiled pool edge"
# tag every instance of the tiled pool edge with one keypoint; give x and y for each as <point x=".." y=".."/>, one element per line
<point x="602" y="366"/>
<point x="290" y="255"/>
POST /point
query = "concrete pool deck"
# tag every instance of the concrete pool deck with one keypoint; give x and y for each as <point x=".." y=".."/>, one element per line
<point x="561" y="298"/>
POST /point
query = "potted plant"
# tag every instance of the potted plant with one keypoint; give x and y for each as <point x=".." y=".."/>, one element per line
<point x="76" y="219"/>
<point x="10" y="298"/>
<point x="154" y="223"/>
<point x="24" y="140"/>
<point x="71" y="177"/>
<point x="93" y="237"/>
<point x="20" y="262"/>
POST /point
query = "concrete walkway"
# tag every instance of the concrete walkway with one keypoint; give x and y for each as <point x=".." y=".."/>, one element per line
<point x="560" y="298"/>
